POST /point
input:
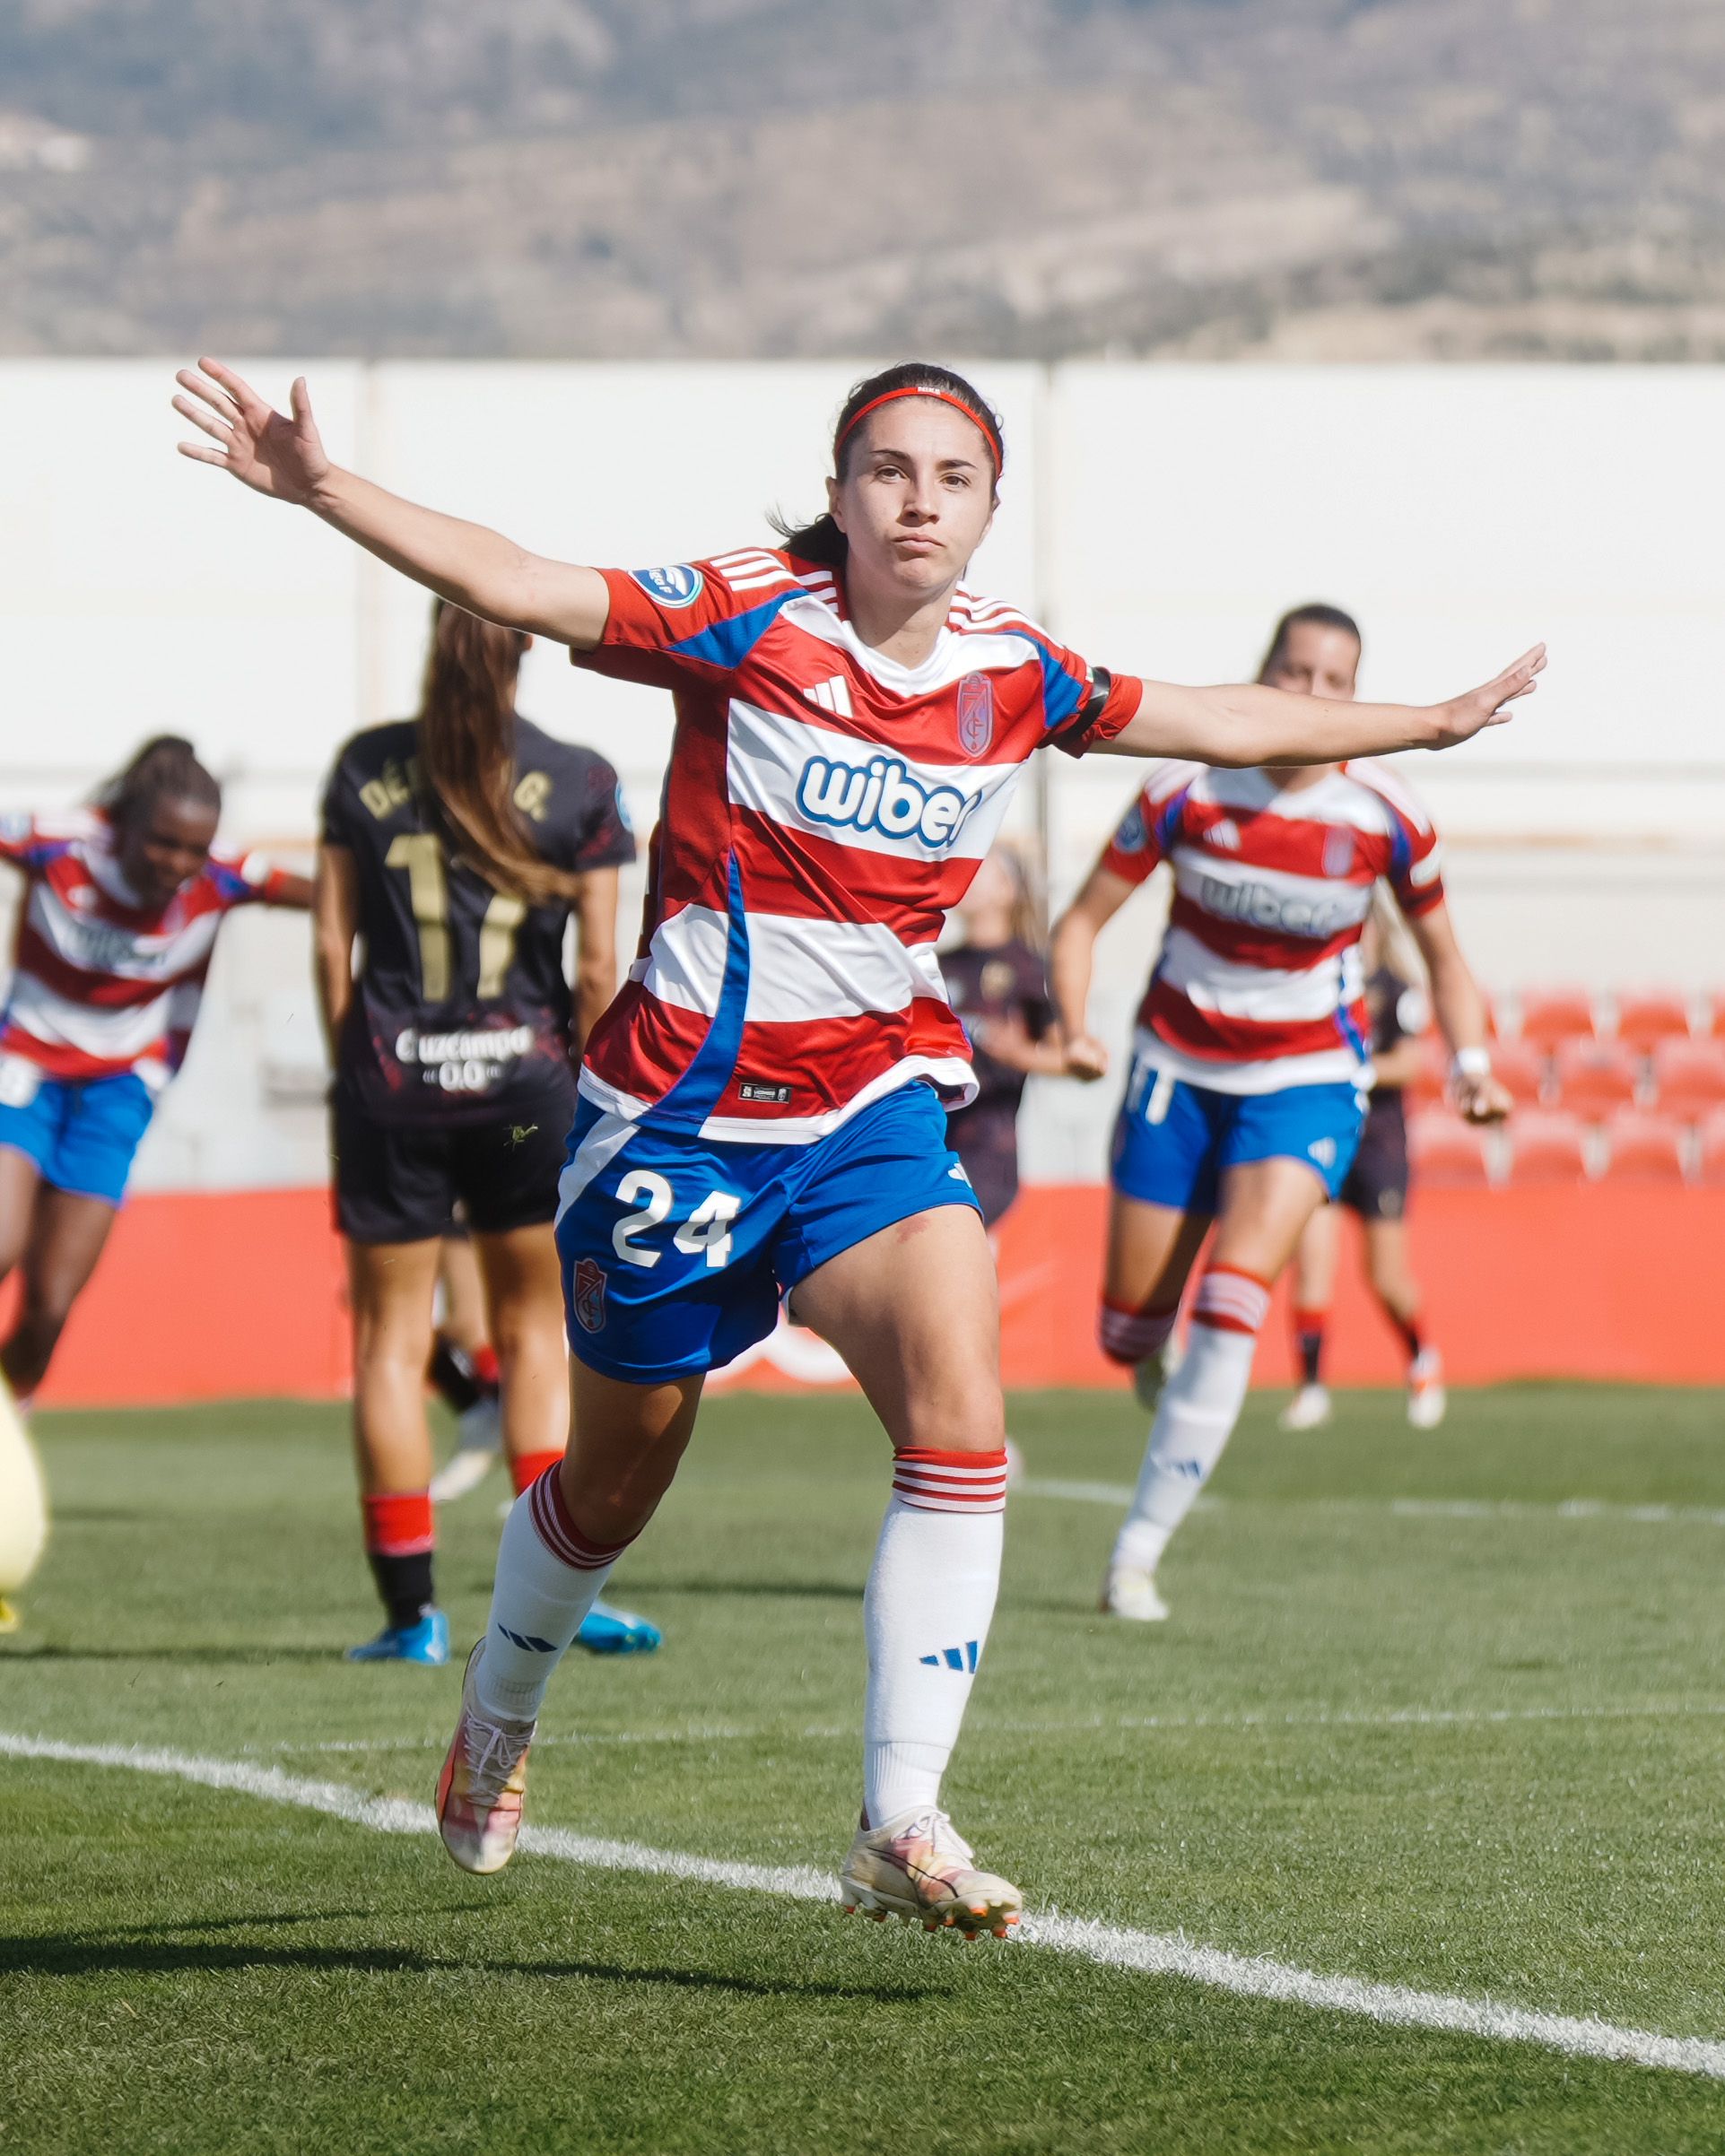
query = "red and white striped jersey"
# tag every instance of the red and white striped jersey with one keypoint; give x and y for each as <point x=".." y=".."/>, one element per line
<point x="101" y="985"/>
<point x="1257" y="985"/>
<point x="823" y="808"/>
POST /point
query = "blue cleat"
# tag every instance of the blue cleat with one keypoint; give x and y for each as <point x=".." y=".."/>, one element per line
<point x="426" y="1642"/>
<point x="608" y="1632"/>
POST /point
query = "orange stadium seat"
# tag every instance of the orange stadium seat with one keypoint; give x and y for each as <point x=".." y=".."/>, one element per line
<point x="1547" y="1147"/>
<point x="1645" y="1149"/>
<point x="1522" y="1068"/>
<point x="1549" y="1015"/>
<point x="1592" y="1077"/>
<point x="1646" y="1016"/>
<point x="1446" y="1152"/>
<point x="1712" y="1149"/>
<point x="1689" y="1078"/>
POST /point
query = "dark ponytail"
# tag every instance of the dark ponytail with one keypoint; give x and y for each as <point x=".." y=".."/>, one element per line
<point x="822" y="542"/>
<point x="1314" y="615"/>
<point x="467" y="754"/>
<point x="164" y="768"/>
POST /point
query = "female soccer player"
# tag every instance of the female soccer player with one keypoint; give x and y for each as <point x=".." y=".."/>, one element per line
<point x="1244" y="1104"/>
<point x="761" y="1105"/>
<point x="1376" y="1189"/>
<point x="121" y="909"/>
<point x="998" y="984"/>
<point x="454" y="847"/>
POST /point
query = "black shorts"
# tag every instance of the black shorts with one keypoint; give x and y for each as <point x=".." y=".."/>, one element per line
<point x="399" y="1183"/>
<point x="1376" y="1187"/>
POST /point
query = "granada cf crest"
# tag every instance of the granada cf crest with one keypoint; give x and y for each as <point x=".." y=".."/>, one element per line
<point x="1338" y="852"/>
<point x="589" y="1295"/>
<point x="975" y="713"/>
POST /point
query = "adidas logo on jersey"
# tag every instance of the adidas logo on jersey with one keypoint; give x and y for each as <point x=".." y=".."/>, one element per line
<point x="833" y="696"/>
<point x="1225" y="834"/>
<point x="881" y="795"/>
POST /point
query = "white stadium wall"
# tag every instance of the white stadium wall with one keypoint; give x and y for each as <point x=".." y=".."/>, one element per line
<point x="1156" y="517"/>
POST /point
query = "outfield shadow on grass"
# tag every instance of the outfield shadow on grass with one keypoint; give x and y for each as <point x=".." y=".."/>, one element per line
<point x="259" y="1655"/>
<point x="151" y="1950"/>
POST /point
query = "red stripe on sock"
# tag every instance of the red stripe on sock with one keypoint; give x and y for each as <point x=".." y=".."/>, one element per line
<point x="1309" y="1321"/>
<point x="526" y="1467"/>
<point x="558" y="1531"/>
<point x="399" y="1526"/>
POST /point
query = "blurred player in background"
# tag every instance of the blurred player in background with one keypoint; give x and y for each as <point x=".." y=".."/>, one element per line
<point x="463" y="1371"/>
<point x="1396" y="1010"/>
<point x="761" y="1106"/>
<point x="997" y="984"/>
<point x="456" y="847"/>
<point x="1245" y="1102"/>
<point x="122" y="905"/>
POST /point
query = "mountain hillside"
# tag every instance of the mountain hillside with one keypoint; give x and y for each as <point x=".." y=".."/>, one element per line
<point x="1289" y="178"/>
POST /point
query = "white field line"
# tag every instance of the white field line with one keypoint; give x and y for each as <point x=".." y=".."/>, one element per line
<point x="1152" y="1953"/>
<point x="1407" y="1508"/>
<point x="1317" y="1718"/>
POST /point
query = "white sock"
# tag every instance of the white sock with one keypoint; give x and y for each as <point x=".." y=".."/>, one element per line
<point x="926" y="1616"/>
<point x="1200" y="1404"/>
<point x="549" y="1576"/>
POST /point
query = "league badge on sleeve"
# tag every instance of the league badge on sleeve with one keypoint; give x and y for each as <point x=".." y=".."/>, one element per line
<point x="1133" y="834"/>
<point x="975" y="713"/>
<point x="678" y="586"/>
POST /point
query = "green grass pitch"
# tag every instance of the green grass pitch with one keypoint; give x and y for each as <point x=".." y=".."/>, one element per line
<point x="1413" y="1722"/>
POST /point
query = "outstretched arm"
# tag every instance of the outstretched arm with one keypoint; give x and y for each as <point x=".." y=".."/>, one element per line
<point x="282" y="456"/>
<point x="1255" y="725"/>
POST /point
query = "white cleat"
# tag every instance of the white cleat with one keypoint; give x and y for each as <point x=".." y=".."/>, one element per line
<point x="481" y="1427"/>
<point x="1427" y="1402"/>
<point x="1128" y="1591"/>
<point x="483" y="1783"/>
<point x="1310" y="1409"/>
<point x="918" y="1867"/>
<point x="1153" y="1373"/>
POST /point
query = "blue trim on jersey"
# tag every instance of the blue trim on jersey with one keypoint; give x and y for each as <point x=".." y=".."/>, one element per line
<point x="1061" y="694"/>
<point x="727" y="643"/>
<point x="692" y="1100"/>
<point x="233" y="886"/>
<point x="1401" y="848"/>
<point x="1165" y="830"/>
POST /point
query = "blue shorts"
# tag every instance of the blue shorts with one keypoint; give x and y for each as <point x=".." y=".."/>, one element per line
<point x="675" y="1251"/>
<point x="81" y="1132"/>
<point x="1172" y="1141"/>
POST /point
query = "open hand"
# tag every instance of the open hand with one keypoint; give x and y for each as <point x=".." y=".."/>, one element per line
<point x="1464" y="716"/>
<point x="275" y="454"/>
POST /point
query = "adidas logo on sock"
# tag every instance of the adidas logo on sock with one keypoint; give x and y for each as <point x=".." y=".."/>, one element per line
<point x="527" y="1641"/>
<point x="960" y="1658"/>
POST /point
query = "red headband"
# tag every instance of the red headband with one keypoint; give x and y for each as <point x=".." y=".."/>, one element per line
<point x="983" y="426"/>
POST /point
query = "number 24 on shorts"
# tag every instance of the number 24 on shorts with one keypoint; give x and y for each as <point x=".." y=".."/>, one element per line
<point x="707" y="1228"/>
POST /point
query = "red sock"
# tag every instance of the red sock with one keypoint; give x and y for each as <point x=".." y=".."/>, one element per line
<point x="399" y="1538"/>
<point x="1309" y="1343"/>
<point x="526" y="1467"/>
<point x="483" y="1358"/>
